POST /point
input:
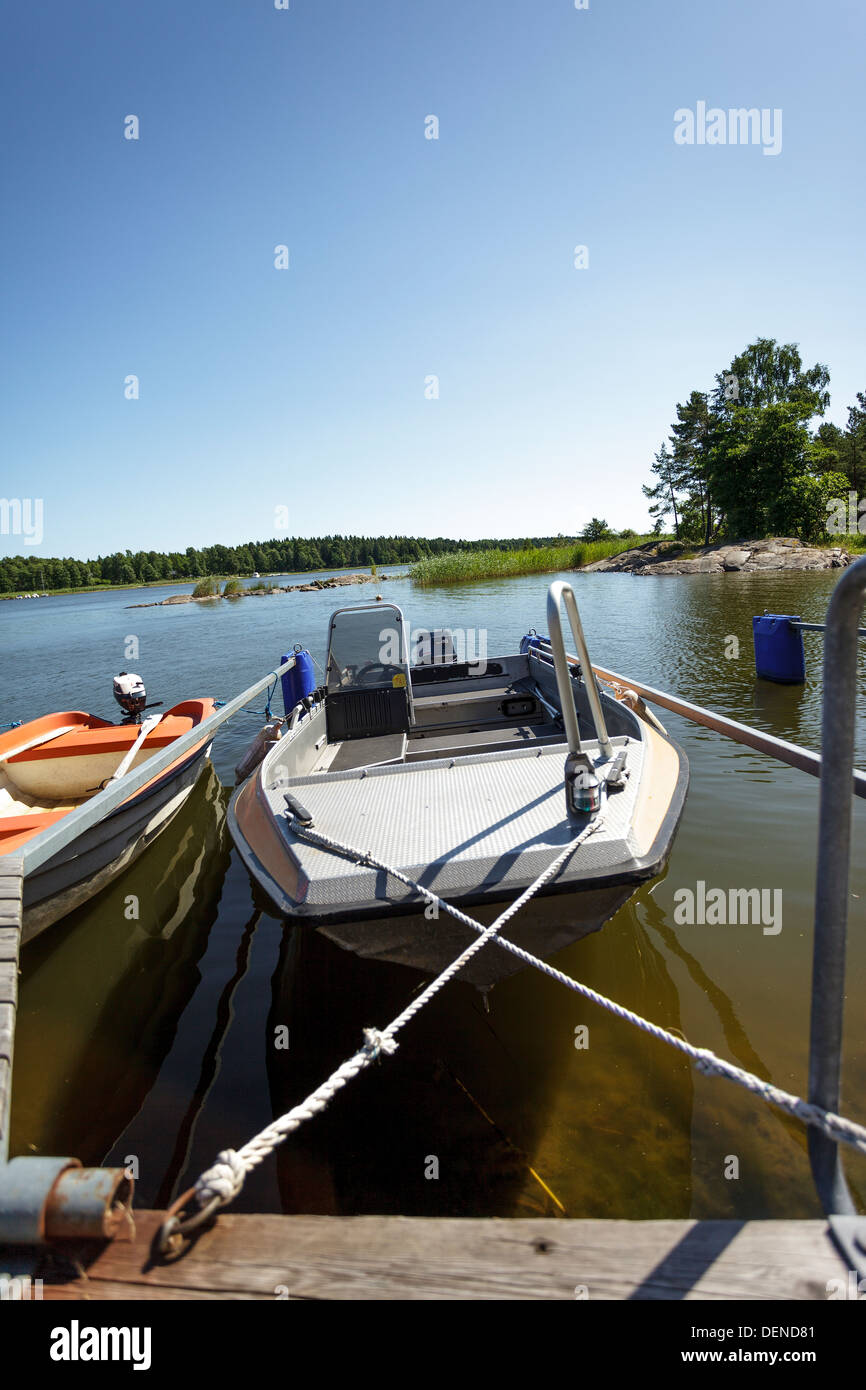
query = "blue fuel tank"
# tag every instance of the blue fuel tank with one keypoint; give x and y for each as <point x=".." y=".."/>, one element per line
<point x="779" y="654"/>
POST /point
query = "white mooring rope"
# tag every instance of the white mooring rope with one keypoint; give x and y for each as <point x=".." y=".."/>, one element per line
<point x="224" y="1180"/>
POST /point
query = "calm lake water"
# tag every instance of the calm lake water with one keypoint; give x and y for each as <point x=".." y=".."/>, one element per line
<point x="155" y="1037"/>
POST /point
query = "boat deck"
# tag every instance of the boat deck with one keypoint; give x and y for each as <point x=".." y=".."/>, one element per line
<point x="421" y="745"/>
<point x="492" y="819"/>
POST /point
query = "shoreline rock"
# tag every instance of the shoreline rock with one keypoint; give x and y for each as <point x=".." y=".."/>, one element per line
<point x="741" y="557"/>
<point x="338" y="581"/>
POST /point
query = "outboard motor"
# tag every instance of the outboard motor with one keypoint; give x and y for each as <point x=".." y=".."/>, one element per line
<point x="130" y="694"/>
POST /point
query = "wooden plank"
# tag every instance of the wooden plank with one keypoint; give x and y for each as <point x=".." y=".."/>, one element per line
<point x="9" y="941"/>
<point x="11" y="867"/>
<point x="5" y="1097"/>
<point x="400" y="1258"/>
<point x="7" y="1028"/>
<point x="9" y="984"/>
<point x="11" y="893"/>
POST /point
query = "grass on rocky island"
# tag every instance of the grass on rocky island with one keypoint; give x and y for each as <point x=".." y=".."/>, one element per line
<point x="465" y="565"/>
<point x="206" y="588"/>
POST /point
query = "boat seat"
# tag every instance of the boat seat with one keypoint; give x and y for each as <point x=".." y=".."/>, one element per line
<point x="491" y="707"/>
<point x="13" y="825"/>
<point x="104" y="738"/>
<point x="423" y="747"/>
<point x="15" y="831"/>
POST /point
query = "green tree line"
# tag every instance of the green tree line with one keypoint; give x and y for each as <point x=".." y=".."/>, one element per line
<point x="745" y="459"/>
<point x="295" y="554"/>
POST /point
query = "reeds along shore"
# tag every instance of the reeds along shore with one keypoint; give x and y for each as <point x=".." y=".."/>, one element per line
<point x="503" y="564"/>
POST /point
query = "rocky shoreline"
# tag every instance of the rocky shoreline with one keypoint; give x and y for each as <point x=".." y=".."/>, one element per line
<point x="744" y="557"/>
<point x="335" y="582"/>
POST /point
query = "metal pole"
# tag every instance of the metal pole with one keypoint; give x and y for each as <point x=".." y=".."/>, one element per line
<point x="560" y="666"/>
<point x="588" y="672"/>
<point x="557" y="591"/>
<point x="820" y="627"/>
<point x="831" y="888"/>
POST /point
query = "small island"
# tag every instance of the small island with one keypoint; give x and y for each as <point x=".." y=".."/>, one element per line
<point x="749" y="557"/>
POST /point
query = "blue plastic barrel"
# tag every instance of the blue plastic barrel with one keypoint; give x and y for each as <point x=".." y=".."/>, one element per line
<point x="298" y="682"/>
<point x="779" y="654"/>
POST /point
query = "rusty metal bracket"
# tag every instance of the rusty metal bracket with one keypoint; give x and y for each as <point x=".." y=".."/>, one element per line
<point x="177" y="1232"/>
<point x="43" y="1200"/>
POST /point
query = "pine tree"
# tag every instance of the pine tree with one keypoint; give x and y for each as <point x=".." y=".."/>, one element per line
<point x="664" y="494"/>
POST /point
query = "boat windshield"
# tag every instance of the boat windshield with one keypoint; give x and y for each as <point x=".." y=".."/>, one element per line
<point x="367" y="648"/>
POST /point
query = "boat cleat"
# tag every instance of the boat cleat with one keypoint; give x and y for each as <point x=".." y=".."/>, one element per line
<point x="616" y="773"/>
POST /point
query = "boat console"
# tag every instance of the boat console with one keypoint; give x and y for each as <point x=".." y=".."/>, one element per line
<point x="367" y="677"/>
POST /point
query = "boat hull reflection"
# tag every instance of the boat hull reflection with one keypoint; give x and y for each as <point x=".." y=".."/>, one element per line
<point x="481" y="1112"/>
<point x="101" y="996"/>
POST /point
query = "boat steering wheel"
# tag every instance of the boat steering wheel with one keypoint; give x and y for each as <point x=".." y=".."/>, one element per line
<point x="363" y="676"/>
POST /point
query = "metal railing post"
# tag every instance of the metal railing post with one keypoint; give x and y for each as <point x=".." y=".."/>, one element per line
<point x="831" y="901"/>
<point x="557" y="591"/>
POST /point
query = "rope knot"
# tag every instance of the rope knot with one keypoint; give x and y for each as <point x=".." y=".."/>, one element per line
<point x="223" y="1180"/>
<point x="706" y="1062"/>
<point x="375" y="1043"/>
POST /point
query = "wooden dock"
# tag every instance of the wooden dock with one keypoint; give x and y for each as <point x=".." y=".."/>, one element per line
<point x="11" y="888"/>
<point x="400" y="1258"/>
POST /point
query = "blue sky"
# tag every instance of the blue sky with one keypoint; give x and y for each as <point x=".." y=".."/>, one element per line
<point x="305" y="388"/>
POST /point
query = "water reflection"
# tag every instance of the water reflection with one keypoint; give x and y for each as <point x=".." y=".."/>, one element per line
<point x="515" y="1119"/>
<point x="103" y="993"/>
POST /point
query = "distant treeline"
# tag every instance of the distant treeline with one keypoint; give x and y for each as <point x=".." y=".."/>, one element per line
<point x="27" y="573"/>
